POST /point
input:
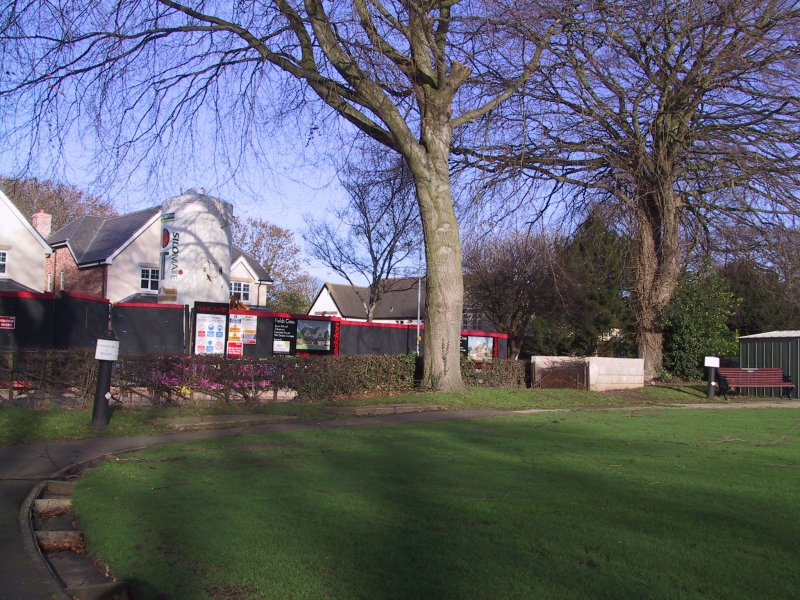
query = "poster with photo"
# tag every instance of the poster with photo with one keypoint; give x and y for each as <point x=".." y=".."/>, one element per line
<point x="314" y="335"/>
<point x="210" y="334"/>
<point x="480" y="348"/>
<point x="284" y="335"/>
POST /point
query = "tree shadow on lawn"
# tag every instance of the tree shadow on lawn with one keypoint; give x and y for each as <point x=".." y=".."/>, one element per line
<point x="463" y="510"/>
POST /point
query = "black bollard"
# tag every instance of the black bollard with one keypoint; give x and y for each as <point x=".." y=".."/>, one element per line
<point x="106" y="354"/>
<point x="712" y="364"/>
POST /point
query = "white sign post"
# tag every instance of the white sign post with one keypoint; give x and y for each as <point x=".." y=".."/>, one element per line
<point x="711" y="363"/>
<point x="106" y="353"/>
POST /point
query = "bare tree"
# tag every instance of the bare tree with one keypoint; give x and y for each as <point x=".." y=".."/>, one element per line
<point x="683" y="114"/>
<point x="511" y="278"/>
<point x="64" y="202"/>
<point x="137" y="74"/>
<point x="373" y="235"/>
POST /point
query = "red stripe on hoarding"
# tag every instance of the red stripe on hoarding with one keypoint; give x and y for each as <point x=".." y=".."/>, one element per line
<point x="36" y="295"/>
<point x="148" y="305"/>
<point x="85" y="297"/>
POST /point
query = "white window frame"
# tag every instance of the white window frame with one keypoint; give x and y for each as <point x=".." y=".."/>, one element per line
<point x="4" y="263"/>
<point x="149" y="279"/>
<point x="243" y="291"/>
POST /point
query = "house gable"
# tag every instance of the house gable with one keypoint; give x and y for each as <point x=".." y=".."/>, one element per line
<point x="23" y="250"/>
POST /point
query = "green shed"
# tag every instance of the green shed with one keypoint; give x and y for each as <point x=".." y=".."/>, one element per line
<point x="771" y="349"/>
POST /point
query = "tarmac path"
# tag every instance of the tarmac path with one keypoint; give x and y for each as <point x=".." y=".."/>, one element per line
<point x="21" y="467"/>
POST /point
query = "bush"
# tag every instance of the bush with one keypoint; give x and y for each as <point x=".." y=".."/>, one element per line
<point x="70" y="375"/>
<point x="696" y="325"/>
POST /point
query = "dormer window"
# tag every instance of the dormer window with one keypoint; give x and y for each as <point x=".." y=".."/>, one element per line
<point x="241" y="291"/>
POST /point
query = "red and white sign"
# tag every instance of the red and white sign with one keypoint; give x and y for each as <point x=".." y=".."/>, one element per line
<point x="235" y="349"/>
<point x="8" y="322"/>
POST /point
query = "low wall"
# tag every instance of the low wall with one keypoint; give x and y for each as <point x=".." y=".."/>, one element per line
<point x="603" y="373"/>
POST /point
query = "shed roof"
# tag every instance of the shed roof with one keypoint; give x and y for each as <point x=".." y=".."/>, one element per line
<point x="9" y="285"/>
<point x="789" y="333"/>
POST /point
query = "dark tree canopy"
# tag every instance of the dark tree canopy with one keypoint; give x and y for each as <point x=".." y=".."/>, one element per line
<point x="512" y="278"/>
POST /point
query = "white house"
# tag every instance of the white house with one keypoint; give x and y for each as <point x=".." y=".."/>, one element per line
<point x="119" y="258"/>
<point x="398" y="303"/>
<point x="23" y="250"/>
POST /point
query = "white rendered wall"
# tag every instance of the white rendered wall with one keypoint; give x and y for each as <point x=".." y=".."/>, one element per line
<point x="196" y="237"/>
<point x="125" y="271"/>
<point x="325" y="305"/>
<point x="604" y="373"/>
<point x="26" y="256"/>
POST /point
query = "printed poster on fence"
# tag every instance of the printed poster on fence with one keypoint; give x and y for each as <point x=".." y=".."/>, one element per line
<point x="242" y="329"/>
<point x="480" y="348"/>
<point x="284" y="333"/>
<point x="210" y="336"/>
<point x="314" y="335"/>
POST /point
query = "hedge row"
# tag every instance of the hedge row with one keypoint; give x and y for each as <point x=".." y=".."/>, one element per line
<point x="70" y="375"/>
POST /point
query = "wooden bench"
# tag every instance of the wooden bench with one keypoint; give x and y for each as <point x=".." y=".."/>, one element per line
<point x="768" y="377"/>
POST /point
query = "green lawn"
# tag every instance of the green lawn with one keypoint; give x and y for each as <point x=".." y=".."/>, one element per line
<point x="26" y="425"/>
<point x="641" y="504"/>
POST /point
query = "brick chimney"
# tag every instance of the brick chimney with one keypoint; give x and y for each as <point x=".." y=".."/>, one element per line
<point x="42" y="222"/>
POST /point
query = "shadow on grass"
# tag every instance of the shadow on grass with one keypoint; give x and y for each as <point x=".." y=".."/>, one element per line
<point x="534" y="508"/>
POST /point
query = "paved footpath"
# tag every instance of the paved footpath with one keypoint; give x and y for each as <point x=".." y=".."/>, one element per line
<point x="22" y="578"/>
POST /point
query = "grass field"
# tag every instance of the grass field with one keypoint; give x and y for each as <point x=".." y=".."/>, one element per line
<point x="25" y="425"/>
<point x="640" y="504"/>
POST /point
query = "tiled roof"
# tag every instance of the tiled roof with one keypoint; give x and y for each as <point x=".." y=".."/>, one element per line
<point x="94" y="239"/>
<point x="141" y="298"/>
<point x="258" y="269"/>
<point x="9" y="285"/>
<point x="399" y="300"/>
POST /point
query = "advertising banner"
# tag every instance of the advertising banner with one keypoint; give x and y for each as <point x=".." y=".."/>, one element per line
<point x="314" y="335"/>
<point x="284" y="336"/>
<point x="478" y="348"/>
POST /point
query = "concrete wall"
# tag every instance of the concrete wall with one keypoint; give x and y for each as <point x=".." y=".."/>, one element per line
<point x="604" y="373"/>
<point x="615" y="373"/>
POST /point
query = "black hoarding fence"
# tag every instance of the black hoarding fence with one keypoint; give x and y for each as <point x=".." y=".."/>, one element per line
<point x="148" y="328"/>
<point x="79" y="320"/>
<point x="378" y="338"/>
<point x="26" y="320"/>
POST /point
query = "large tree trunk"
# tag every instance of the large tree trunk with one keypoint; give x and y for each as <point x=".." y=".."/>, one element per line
<point x="657" y="274"/>
<point x="444" y="299"/>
